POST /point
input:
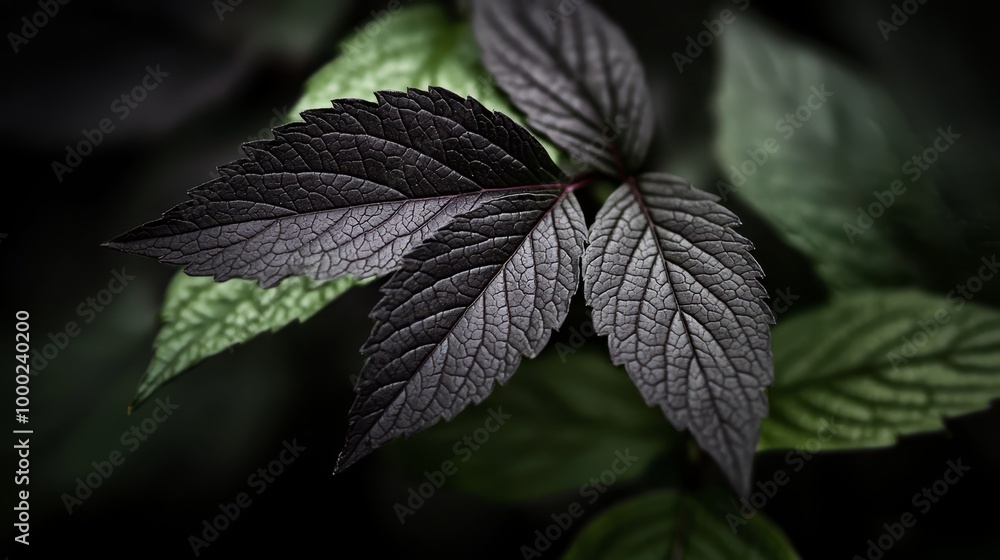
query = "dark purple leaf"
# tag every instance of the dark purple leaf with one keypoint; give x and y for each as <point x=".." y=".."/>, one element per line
<point x="348" y="191"/>
<point x="461" y="312"/>
<point x="678" y="295"/>
<point x="575" y="76"/>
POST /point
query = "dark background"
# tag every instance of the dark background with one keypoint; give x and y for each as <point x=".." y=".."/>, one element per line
<point x="227" y="80"/>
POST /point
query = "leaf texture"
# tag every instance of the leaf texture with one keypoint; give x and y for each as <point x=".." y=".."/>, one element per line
<point x="575" y="76"/>
<point x="202" y="318"/>
<point x="871" y="367"/>
<point x="420" y="46"/>
<point x="462" y="311"/>
<point x="678" y="295"/>
<point x="348" y="191"/>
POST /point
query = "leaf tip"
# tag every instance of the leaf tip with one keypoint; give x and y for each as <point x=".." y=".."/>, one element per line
<point x="118" y="243"/>
<point x="345" y="460"/>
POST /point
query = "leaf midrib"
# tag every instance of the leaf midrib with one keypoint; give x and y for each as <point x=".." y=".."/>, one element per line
<point x="500" y="270"/>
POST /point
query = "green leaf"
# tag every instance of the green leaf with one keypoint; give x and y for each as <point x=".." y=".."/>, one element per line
<point x="666" y="524"/>
<point x="878" y="365"/>
<point x="825" y="163"/>
<point x="567" y="420"/>
<point x="415" y="47"/>
<point x="202" y="318"/>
